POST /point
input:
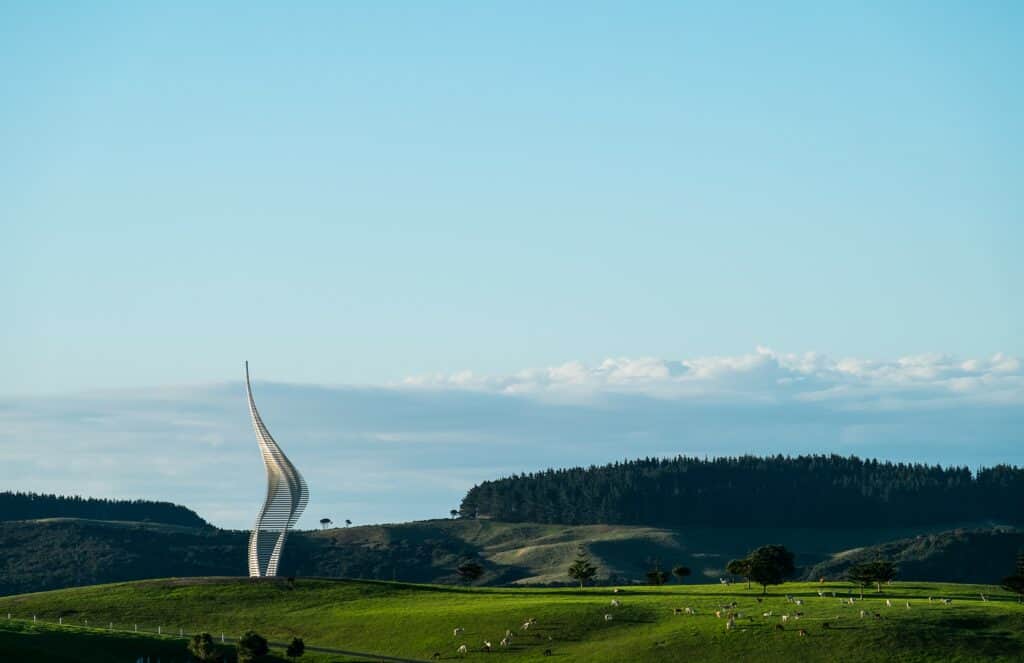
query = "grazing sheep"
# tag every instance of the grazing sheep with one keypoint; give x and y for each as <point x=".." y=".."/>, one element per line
<point x="888" y="603"/>
<point x="785" y="618"/>
<point x="947" y="601"/>
<point x="729" y="625"/>
<point x="616" y="590"/>
<point x="677" y="611"/>
<point x="504" y="643"/>
<point x="863" y="614"/>
<point x="833" y="594"/>
<point x="768" y="614"/>
<point x="908" y="605"/>
<point x="929" y="599"/>
<point x="821" y="593"/>
<point x="718" y="614"/>
<point x="690" y="611"/>
<point x="487" y="645"/>
<point x="616" y="603"/>
<point x="462" y="650"/>
<point x="525" y="626"/>
<point x="984" y="598"/>
<point x="850" y="600"/>
<point x="508" y="633"/>
<point x="608" y="617"/>
<point x="457" y="631"/>
<point x="802" y="633"/>
<point x="799" y="601"/>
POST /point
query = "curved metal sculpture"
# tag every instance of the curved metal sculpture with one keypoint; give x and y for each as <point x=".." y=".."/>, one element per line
<point x="287" y="496"/>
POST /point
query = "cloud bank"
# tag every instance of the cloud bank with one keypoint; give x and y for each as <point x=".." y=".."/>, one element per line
<point x="411" y="450"/>
<point x="768" y="376"/>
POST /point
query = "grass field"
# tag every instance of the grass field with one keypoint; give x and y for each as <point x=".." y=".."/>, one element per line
<point x="415" y="621"/>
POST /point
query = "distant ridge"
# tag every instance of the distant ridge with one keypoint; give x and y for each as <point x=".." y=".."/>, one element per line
<point x="749" y="491"/>
<point x="33" y="506"/>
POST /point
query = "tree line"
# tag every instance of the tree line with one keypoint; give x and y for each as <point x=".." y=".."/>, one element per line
<point x="747" y="491"/>
<point x="31" y="506"/>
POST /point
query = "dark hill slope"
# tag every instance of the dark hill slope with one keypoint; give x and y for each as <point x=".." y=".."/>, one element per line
<point x="956" y="556"/>
<point x="30" y="506"/>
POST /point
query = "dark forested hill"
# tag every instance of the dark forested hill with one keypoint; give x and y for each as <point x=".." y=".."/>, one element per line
<point x="31" y="506"/>
<point x="748" y="491"/>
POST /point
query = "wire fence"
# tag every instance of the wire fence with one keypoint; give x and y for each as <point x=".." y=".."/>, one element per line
<point x="179" y="633"/>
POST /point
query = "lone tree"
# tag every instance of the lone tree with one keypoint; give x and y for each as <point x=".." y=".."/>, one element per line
<point x="581" y="569"/>
<point x="347" y="522"/>
<point x="325" y="523"/>
<point x="470" y="570"/>
<point x="296" y="648"/>
<point x="770" y="565"/>
<point x="681" y="572"/>
<point x="655" y="575"/>
<point x="871" y="573"/>
<point x="251" y="647"/>
<point x="741" y="568"/>
<point x="1015" y="583"/>
<point x="454" y="513"/>
<point x="202" y="648"/>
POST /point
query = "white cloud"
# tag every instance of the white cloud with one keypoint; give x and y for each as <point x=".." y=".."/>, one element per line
<point x="765" y="375"/>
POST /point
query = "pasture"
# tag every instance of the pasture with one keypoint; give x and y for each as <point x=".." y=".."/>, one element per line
<point x="417" y="621"/>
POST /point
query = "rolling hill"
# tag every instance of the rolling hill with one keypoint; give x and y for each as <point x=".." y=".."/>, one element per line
<point x="63" y="552"/>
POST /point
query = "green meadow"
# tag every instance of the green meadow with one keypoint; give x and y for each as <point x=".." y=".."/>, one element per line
<point x="417" y="621"/>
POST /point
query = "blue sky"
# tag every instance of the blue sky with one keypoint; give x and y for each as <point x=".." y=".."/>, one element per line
<point x="353" y="194"/>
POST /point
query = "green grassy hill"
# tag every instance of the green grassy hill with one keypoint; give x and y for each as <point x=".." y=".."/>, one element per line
<point x="415" y="621"/>
<point x="63" y="552"/>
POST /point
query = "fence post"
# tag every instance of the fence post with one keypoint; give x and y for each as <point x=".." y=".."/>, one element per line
<point x="60" y="620"/>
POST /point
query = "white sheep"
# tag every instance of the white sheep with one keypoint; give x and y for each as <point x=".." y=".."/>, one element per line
<point x="888" y="603"/>
<point x="616" y="603"/>
<point x="863" y="614"/>
<point x="462" y="650"/>
<point x="608" y="617"/>
<point x="504" y="642"/>
<point x="525" y="626"/>
<point x="785" y="618"/>
<point x="457" y="631"/>
<point x="487" y="645"/>
<point x="799" y="601"/>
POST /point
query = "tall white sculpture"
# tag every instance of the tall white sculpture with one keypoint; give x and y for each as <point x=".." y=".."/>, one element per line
<point x="287" y="496"/>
